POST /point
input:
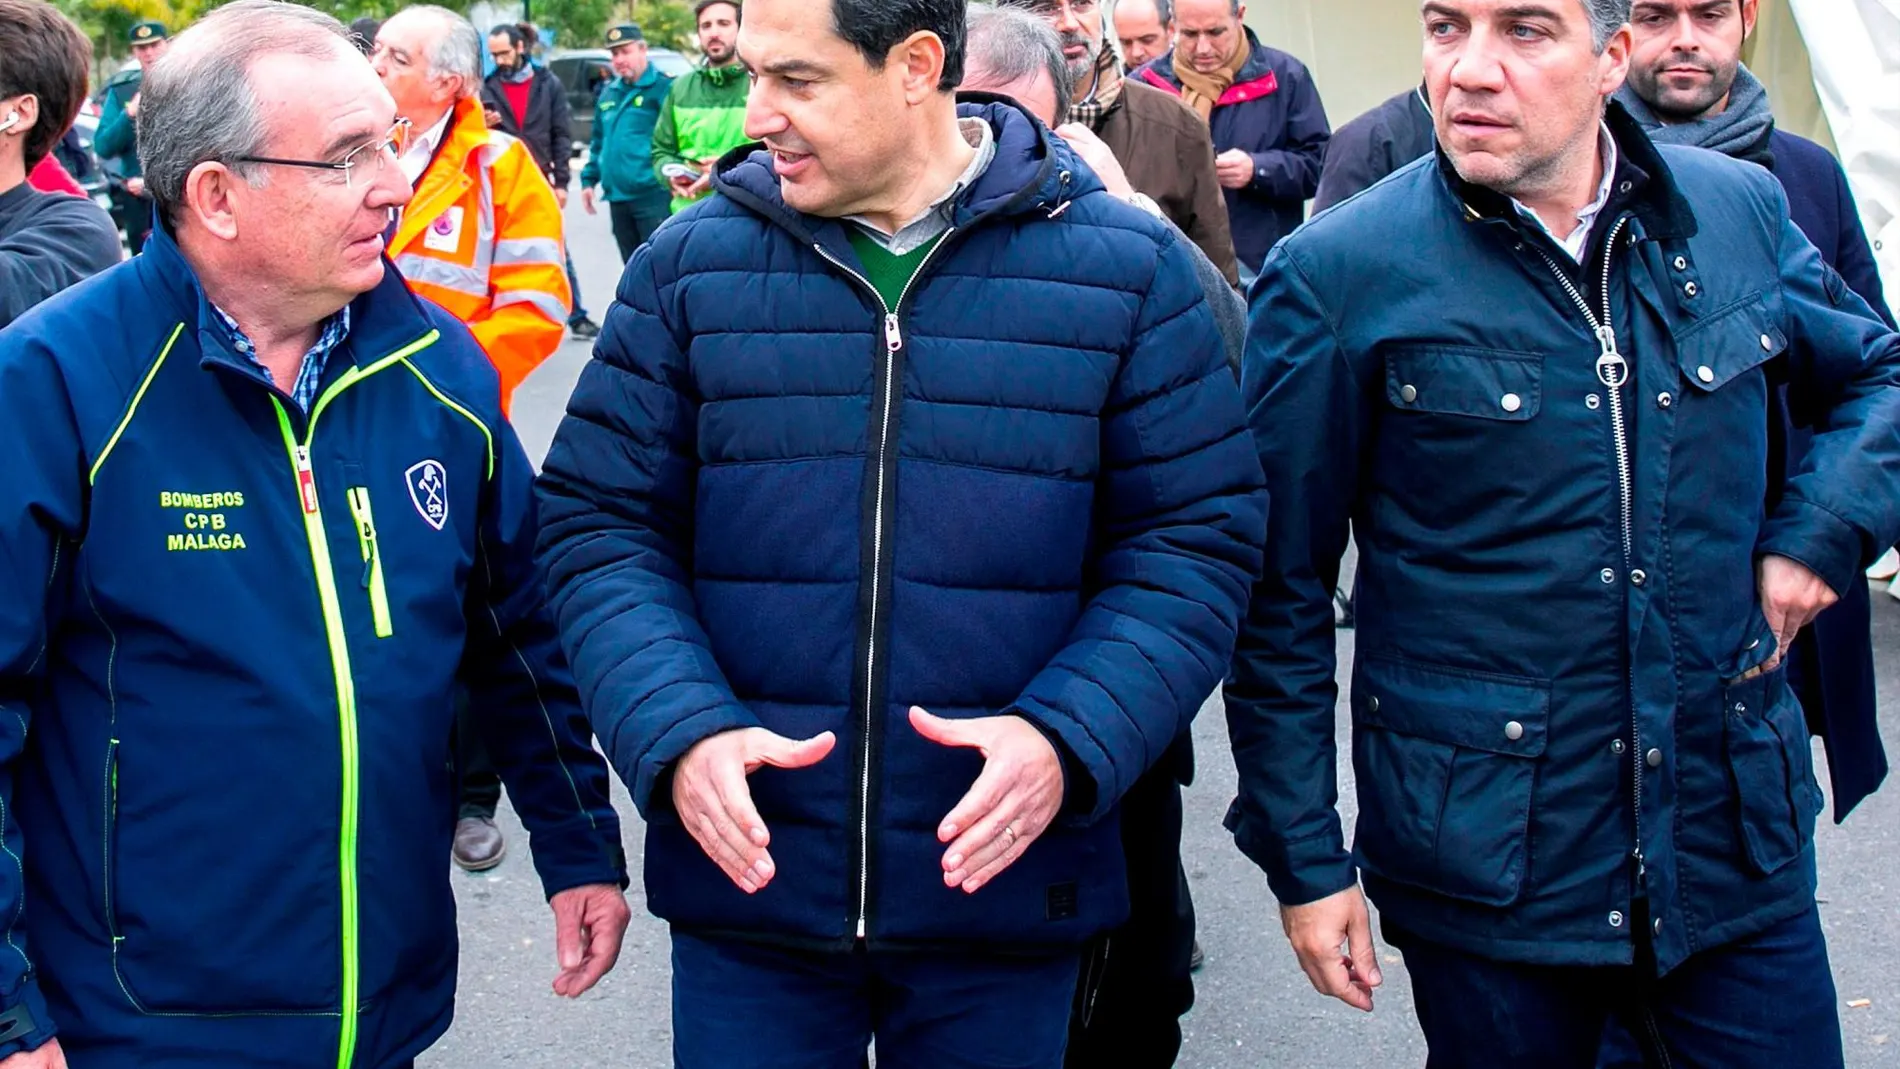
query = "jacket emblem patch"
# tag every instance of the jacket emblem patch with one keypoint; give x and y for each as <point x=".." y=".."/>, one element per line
<point x="429" y="491"/>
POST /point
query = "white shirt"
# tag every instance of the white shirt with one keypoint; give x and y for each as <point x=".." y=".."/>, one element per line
<point x="1579" y="240"/>
<point x="415" y="158"/>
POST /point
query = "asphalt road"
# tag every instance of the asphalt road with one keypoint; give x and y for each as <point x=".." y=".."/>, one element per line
<point x="1255" y="1008"/>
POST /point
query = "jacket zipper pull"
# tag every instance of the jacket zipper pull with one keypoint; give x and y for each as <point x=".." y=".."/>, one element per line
<point x="1612" y="369"/>
<point x="369" y="562"/>
<point x="893" y="334"/>
<point x="306" y="480"/>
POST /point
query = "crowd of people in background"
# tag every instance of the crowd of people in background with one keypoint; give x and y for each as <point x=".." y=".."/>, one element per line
<point x="898" y="659"/>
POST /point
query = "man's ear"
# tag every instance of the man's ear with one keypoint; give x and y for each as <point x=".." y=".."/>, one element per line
<point x="210" y="199"/>
<point x="921" y="58"/>
<point x="1751" y="17"/>
<point x="20" y="114"/>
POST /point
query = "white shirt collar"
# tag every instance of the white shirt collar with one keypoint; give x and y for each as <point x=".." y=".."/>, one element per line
<point x="1579" y="240"/>
<point x="415" y="158"/>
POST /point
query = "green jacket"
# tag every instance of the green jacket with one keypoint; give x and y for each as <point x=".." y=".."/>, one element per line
<point x="704" y="118"/>
<point x="117" y="137"/>
<point x="620" y="156"/>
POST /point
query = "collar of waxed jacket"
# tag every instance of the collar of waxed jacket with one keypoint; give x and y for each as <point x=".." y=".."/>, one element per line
<point x="1645" y="187"/>
<point x="1033" y="171"/>
<point x="382" y="321"/>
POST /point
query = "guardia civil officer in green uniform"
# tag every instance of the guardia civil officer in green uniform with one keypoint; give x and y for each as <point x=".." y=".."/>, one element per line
<point x="117" y="140"/>
<point x="620" y="157"/>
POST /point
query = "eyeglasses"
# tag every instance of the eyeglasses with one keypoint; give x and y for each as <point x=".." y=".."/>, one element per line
<point x="1051" y="8"/>
<point x="376" y="155"/>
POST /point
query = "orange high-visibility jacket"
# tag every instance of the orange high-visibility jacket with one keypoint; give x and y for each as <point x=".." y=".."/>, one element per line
<point x="482" y="238"/>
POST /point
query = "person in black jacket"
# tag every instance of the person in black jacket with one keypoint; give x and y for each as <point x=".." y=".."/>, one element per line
<point x="48" y="241"/>
<point x="1374" y="145"/>
<point x="530" y="103"/>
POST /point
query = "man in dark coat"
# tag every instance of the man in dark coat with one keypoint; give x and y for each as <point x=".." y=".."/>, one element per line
<point x="1687" y="86"/>
<point x="1585" y="788"/>
<point x="904" y="515"/>
<point x="528" y="101"/>
<point x="1270" y="129"/>
<point x="1164" y="149"/>
<point x="1374" y="145"/>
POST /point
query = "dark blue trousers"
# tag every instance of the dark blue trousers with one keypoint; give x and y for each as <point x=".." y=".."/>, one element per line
<point x="744" y="1006"/>
<point x="1765" y="1002"/>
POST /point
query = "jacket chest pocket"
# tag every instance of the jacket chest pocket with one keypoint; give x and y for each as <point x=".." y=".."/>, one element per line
<point x="1728" y="345"/>
<point x="1493" y="385"/>
<point x="1446" y="762"/>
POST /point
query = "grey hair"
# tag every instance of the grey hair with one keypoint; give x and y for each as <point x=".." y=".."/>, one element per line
<point x="1012" y="45"/>
<point x="198" y="105"/>
<point x="457" y="53"/>
<point x="1606" y="17"/>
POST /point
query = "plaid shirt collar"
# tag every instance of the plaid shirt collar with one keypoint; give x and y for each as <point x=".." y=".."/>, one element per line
<point x="310" y="375"/>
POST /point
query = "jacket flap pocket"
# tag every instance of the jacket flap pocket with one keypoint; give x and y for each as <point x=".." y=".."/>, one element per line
<point x="1460" y="381"/>
<point x="1727" y="345"/>
<point x="1475" y="710"/>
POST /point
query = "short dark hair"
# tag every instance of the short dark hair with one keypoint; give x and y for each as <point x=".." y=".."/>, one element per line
<point x="512" y="32"/>
<point x="43" y="54"/>
<point x="363" y="33"/>
<point x="874" y="27"/>
<point x="738" y="13"/>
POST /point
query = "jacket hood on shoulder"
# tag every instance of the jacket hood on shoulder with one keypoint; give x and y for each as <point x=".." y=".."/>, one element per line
<point x="1033" y="171"/>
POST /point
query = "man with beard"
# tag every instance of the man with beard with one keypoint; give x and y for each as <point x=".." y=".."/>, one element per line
<point x="1145" y="29"/>
<point x="1164" y="149"/>
<point x="528" y="102"/>
<point x="1687" y="85"/>
<point x="704" y="114"/>
<point x="1545" y="416"/>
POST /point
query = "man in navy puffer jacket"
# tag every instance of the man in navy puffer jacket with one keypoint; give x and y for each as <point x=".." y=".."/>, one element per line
<point x="914" y="417"/>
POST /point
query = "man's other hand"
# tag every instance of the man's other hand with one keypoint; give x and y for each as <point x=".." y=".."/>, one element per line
<point x="589" y="923"/>
<point x="1791" y="597"/>
<point x="1333" y="940"/>
<point x="1014" y="800"/>
<point x="1234" y="169"/>
<point x="715" y="803"/>
<point x="49" y="1056"/>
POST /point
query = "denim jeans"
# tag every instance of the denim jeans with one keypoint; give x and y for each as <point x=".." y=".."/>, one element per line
<point x="744" y="1006"/>
<point x="1764" y="1002"/>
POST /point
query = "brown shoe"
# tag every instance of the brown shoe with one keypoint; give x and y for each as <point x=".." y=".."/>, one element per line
<point x="478" y="844"/>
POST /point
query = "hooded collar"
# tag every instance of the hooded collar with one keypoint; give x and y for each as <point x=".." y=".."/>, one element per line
<point x="1644" y="185"/>
<point x="1259" y="62"/>
<point x="385" y="319"/>
<point x="1031" y="172"/>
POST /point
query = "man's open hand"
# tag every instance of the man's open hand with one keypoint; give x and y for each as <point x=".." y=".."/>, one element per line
<point x="589" y="923"/>
<point x="714" y="802"/>
<point x="1010" y="804"/>
<point x="1318" y="931"/>
<point x="1791" y="597"/>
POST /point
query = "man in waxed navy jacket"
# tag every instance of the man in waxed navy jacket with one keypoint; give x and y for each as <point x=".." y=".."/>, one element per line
<point x="265" y="515"/>
<point x="1533" y="374"/>
<point x="901" y="520"/>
